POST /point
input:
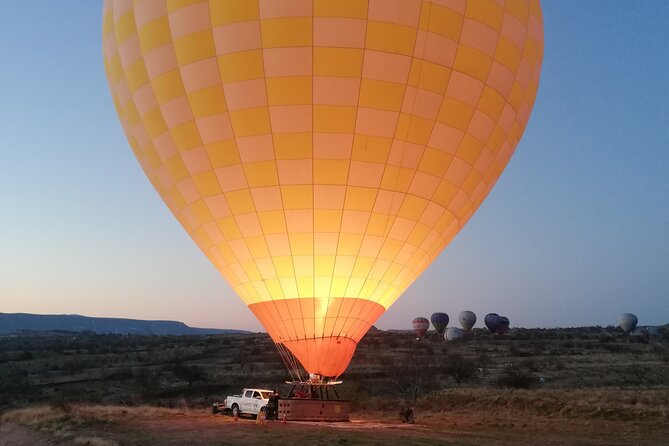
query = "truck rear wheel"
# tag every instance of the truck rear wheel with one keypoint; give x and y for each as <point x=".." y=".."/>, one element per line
<point x="235" y="410"/>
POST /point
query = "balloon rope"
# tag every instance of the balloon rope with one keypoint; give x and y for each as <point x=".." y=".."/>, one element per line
<point x="296" y="364"/>
<point x="285" y="360"/>
<point x="290" y="362"/>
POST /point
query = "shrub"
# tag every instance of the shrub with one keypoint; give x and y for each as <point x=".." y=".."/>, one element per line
<point x="483" y="360"/>
<point x="25" y="356"/>
<point x="411" y="377"/>
<point x="459" y="368"/>
<point x="517" y="376"/>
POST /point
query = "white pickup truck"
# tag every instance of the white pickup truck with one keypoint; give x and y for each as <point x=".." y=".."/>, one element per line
<point x="251" y="402"/>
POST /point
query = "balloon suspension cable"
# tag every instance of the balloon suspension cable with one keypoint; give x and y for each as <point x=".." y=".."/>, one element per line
<point x="290" y="361"/>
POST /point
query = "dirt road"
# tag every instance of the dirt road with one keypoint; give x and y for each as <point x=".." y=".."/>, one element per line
<point x="15" y="435"/>
<point x="109" y="426"/>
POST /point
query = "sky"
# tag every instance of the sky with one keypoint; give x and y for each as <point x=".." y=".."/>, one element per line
<point x="575" y="232"/>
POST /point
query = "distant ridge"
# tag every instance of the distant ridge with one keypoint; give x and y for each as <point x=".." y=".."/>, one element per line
<point x="18" y="322"/>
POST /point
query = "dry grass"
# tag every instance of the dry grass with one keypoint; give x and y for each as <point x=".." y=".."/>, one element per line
<point x="83" y="413"/>
<point x="584" y="404"/>
<point x="34" y="416"/>
<point x="94" y="441"/>
<point x="80" y="423"/>
<point x="610" y="404"/>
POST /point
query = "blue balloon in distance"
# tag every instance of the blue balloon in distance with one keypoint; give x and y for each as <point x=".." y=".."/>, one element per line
<point x="439" y="322"/>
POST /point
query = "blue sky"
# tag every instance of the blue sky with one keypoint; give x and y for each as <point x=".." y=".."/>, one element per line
<point x="575" y="232"/>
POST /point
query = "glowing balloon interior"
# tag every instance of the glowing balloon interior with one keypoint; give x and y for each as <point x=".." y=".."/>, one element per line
<point x="322" y="153"/>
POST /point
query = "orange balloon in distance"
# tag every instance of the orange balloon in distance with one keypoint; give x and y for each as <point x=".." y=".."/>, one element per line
<point x="322" y="153"/>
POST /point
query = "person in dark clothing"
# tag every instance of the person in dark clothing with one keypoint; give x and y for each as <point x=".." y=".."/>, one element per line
<point x="406" y="414"/>
<point x="272" y="408"/>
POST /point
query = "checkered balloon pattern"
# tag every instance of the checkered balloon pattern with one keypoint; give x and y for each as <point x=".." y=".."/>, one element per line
<point x="322" y="153"/>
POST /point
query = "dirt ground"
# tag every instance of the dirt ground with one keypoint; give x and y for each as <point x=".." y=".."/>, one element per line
<point x="110" y="426"/>
<point x="12" y="434"/>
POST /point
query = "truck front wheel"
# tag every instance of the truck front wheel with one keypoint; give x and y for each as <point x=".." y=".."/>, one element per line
<point x="235" y="411"/>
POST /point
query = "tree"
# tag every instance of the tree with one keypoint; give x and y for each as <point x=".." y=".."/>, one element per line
<point x="411" y="376"/>
<point x="147" y="379"/>
<point x="188" y="373"/>
<point x="241" y="358"/>
<point x="483" y="360"/>
<point x="518" y="376"/>
<point x="459" y="368"/>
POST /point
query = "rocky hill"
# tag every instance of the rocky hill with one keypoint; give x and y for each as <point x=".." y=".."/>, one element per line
<point x="21" y="322"/>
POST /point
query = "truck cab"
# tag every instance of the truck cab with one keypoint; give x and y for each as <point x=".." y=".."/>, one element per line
<point x="250" y="401"/>
<point x="253" y="400"/>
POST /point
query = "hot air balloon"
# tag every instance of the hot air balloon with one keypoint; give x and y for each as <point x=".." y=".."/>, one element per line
<point x="628" y="322"/>
<point x="492" y="322"/>
<point x="453" y="333"/>
<point x="503" y="325"/>
<point x="440" y="322"/>
<point x="467" y="319"/>
<point x="420" y="326"/>
<point x="322" y="153"/>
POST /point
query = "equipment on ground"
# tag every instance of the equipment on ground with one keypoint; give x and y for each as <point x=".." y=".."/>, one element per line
<point x="306" y="401"/>
<point x="314" y="402"/>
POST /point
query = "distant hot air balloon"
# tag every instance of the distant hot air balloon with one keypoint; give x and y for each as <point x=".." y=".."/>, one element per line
<point x="453" y="333"/>
<point x="420" y="326"/>
<point x="322" y="153"/>
<point x="440" y="322"/>
<point x="492" y="322"/>
<point x="467" y="319"/>
<point x="503" y="325"/>
<point x="628" y="322"/>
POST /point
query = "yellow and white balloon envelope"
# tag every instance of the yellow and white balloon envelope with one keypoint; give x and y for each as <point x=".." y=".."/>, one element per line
<point x="322" y="153"/>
